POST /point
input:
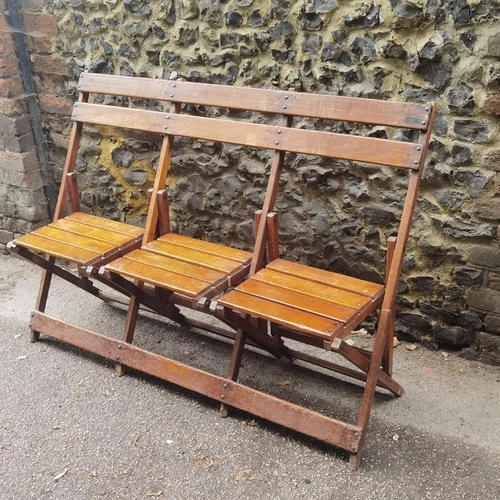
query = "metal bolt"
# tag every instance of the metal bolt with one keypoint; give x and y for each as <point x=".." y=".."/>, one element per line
<point x="424" y="122"/>
<point x="427" y="108"/>
<point x="118" y="357"/>
<point x="279" y="131"/>
<point x="353" y="448"/>
<point x="223" y="397"/>
<point x="119" y="346"/>
<point x="171" y="95"/>
<point x="225" y="386"/>
<point x="284" y="106"/>
<point x="165" y="127"/>
<point x="174" y="85"/>
<point x="286" y="97"/>
<point x="277" y="142"/>
<point x="415" y="162"/>
<point x="419" y="149"/>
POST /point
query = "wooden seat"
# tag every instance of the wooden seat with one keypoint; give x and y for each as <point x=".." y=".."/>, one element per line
<point x="312" y="301"/>
<point x="185" y="265"/>
<point x="82" y="239"/>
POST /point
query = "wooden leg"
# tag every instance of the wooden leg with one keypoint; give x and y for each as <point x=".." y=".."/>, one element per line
<point x="128" y="333"/>
<point x="387" y="359"/>
<point x="235" y="364"/>
<point x="371" y="383"/>
<point x="43" y="294"/>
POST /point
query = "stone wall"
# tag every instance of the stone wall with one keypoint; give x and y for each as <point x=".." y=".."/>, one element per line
<point x="447" y="51"/>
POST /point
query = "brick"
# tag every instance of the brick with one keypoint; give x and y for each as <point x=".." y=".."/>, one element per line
<point x="36" y="5"/>
<point x="13" y="106"/>
<point x="15" y="126"/>
<point x="7" y="47"/>
<point x="4" y="24"/>
<point x="49" y="84"/>
<point x="486" y="256"/>
<point x="484" y="299"/>
<point x="44" y="23"/>
<point x="39" y="44"/>
<point x="25" y="197"/>
<point x="20" y="143"/>
<point x="9" y="66"/>
<point x="18" y="162"/>
<point x="10" y="87"/>
<point x="34" y="213"/>
<point x="56" y="105"/>
<point x="48" y="64"/>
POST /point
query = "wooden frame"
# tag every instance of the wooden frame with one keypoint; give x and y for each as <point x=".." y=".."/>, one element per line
<point x="272" y="299"/>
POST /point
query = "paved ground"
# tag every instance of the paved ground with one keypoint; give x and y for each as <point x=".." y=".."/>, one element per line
<point x="71" y="429"/>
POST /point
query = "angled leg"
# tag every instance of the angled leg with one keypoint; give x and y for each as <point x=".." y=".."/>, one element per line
<point x="235" y="364"/>
<point x="387" y="359"/>
<point x="371" y="383"/>
<point x="43" y="293"/>
<point x="128" y="332"/>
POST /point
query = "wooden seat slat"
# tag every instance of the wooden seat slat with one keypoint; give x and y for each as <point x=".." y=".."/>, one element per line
<point x="326" y="292"/>
<point x="323" y="106"/>
<point x="208" y="247"/>
<point x="297" y="300"/>
<point x="290" y="317"/>
<point x="326" y="277"/>
<point x="111" y="225"/>
<point x="162" y="263"/>
<point x="75" y="240"/>
<point x="58" y="249"/>
<point x="193" y="256"/>
<point x="312" y="142"/>
<point x="169" y="280"/>
<point x="98" y="233"/>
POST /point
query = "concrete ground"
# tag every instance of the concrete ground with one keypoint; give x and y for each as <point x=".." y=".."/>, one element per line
<point x="71" y="429"/>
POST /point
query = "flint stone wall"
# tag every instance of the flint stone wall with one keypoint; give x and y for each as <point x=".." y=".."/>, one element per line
<point x="335" y="216"/>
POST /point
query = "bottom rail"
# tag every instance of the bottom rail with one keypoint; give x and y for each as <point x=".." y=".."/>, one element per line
<point x="335" y="432"/>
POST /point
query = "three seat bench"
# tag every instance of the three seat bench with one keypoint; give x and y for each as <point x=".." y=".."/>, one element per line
<point x="260" y="297"/>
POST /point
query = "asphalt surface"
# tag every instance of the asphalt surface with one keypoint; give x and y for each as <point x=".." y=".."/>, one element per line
<point x="70" y="428"/>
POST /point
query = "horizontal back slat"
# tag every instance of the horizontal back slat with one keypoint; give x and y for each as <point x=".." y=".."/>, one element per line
<point x="323" y="106"/>
<point x="347" y="147"/>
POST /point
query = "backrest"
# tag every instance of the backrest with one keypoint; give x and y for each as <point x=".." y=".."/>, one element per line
<point x="328" y="110"/>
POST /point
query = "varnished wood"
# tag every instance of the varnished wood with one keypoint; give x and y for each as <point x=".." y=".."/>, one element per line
<point x="74" y="196"/>
<point x="57" y="249"/>
<point x="273" y="247"/>
<point x="258" y="403"/>
<point x="387" y="359"/>
<point x="163" y="212"/>
<point x="279" y="299"/>
<point x="111" y="225"/>
<point x="312" y="142"/>
<point x="293" y="318"/>
<point x="286" y="102"/>
<point x="328" y="278"/>
<point x="72" y="226"/>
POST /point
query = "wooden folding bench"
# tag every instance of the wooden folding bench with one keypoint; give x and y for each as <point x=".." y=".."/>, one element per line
<point x="279" y="299"/>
